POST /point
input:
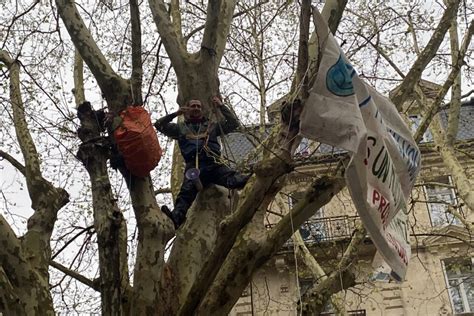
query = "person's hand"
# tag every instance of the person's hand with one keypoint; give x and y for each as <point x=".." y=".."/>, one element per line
<point x="217" y="101"/>
<point x="182" y="110"/>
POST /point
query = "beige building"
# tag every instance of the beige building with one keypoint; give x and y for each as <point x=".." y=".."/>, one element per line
<point x="440" y="276"/>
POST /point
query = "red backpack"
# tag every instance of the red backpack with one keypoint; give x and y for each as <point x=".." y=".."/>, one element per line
<point x="137" y="141"/>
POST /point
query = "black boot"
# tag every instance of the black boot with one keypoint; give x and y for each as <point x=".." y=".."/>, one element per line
<point x="238" y="181"/>
<point x="175" y="217"/>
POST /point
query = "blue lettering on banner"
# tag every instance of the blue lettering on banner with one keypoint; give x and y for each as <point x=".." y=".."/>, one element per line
<point x="410" y="154"/>
<point x="366" y="101"/>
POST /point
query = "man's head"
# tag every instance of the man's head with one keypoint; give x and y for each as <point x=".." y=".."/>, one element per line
<point x="194" y="110"/>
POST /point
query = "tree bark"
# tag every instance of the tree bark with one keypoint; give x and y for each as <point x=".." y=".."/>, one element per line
<point x="340" y="278"/>
<point x="25" y="262"/>
<point x="436" y="103"/>
<point x="254" y="247"/>
<point x="414" y="74"/>
<point x="456" y="170"/>
<point x="115" y="89"/>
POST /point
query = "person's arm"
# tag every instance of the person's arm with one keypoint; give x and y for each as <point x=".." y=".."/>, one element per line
<point x="164" y="125"/>
<point x="231" y="122"/>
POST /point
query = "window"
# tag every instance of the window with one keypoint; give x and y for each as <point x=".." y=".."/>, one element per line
<point x="460" y="282"/>
<point x="416" y="121"/>
<point x="315" y="228"/>
<point x="246" y="292"/>
<point x="440" y="195"/>
<point x="303" y="148"/>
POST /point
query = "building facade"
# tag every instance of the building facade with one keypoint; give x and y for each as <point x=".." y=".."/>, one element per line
<point x="440" y="276"/>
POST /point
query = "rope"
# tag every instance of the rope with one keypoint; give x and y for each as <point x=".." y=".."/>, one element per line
<point x="295" y="258"/>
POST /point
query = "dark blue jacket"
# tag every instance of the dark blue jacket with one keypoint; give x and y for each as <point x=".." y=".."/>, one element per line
<point x="198" y="137"/>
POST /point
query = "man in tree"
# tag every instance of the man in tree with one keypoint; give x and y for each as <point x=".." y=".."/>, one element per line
<point x="197" y="140"/>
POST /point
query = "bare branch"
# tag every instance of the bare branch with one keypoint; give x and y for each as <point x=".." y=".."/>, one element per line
<point x="175" y="48"/>
<point x="84" y="230"/>
<point x="332" y="13"/>
<point x="28" y="148"/>
<point x="111" y="84"/>
<point x="319" y="194"/>
<point x="218" y="21"/>
<point x="15" y="163"/>
<point x="434" y="107"/>
<point x="240" y="13"/>
<point x="414" y="74"/>
<point x="455" y="106"/>
<point x="90" y="283"/>
<point x="78" y="73"/>
<point x="163" y="191"/>
<point x="337" y="280"/>
<point x="413" y="33"/>
<point x="303" y="62"/>
<point x="176" y="18"/>
<point x="383" y="54"/>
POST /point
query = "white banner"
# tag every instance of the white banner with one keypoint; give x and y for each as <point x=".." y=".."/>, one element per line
<point x="345" y="112"/>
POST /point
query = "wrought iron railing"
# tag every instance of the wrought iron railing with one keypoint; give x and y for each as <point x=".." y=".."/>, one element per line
<point x="358" y="312"/>
<point x="325" y="229"/>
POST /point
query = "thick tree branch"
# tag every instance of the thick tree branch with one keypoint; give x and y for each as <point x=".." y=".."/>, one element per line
<point x="319" y="194"/>
<point x="337" y="280"/>
<point x="174" y="47"/>
<point x="307" y="257"/>
<point x="16" y="273"/>
<point x="8" y="298"/>
<point x="137" y="71"/>
<point x="456" y="68"/>
<point x="155" y="231"/>
<point x="303" y="62"/>
<point x="332" y="13"/>
<point x="108" y="220"/>
<point x="318" y="274"/>
<point x="46" y="200"/>
<point x="240" y="13"/>
<point x="453" y="165"/>
<point x="216" y="29"/>
<point x="176" y="18"/>
<point x="113" y="86"/>
<point x="455" y="106"/>
<point x="27" y="146"/>
<point x="447" y="150"/>
<point x="252" y="196"/>
<point x="11" y="255"/>
<point x="253" y="248"/>
<point x="78" y="74"/>
<point x="414" y="74"/>
<point x="163" y="191"/>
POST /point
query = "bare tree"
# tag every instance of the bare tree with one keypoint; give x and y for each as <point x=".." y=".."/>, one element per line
<point x="221" y="245"/>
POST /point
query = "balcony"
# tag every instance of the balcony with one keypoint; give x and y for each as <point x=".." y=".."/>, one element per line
<point x="326" y="229"/>
<point x="359" y="312"/>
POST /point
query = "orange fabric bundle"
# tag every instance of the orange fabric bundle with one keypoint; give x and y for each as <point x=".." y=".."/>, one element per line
<point x="137" y="141"/>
